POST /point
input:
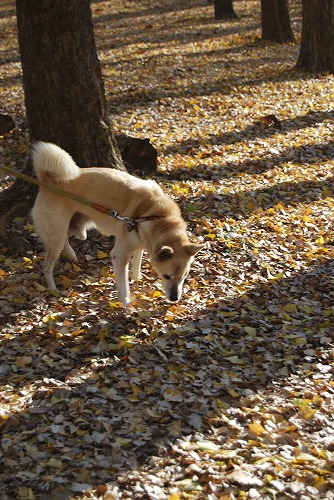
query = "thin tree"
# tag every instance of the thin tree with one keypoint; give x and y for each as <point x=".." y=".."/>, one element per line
<point x="275" y="21"/>
<point x="316" y="49"/>
<point x="223" y="9"/>
<point x="63" y="88"/>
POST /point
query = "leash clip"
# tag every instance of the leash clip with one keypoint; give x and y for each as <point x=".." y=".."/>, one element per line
<point x="129" y="221"/>
<point x="113" y="213"/>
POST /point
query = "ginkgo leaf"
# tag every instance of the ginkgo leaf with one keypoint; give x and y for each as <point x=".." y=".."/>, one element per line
<point x="227" y="391"/>
<point x="256" y="428"/>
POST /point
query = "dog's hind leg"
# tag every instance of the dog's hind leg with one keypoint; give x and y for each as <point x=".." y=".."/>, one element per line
<point x="136" y="264"/>
<point x="53" y="247"/>
<point x="70" y="253"/>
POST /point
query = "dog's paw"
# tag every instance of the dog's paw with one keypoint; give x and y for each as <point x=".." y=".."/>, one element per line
<point x="136" y="276"/>
<point x="124" y="300"/>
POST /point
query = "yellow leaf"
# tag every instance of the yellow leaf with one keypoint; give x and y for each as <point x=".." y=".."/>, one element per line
<point x="307" y="309"/>
<point x="135" y="388"/>
<point x="103" y="333"/>
<point x="307" y="412"/>
<point x="144" y="314"/>
<point x="123" y="441"/>
<point x="290" y="308"/>
<point x="233" y="393"/>
<point x="250" y="330"/>
<point x="291" y="428"/>
<point x="320" y="484"/>
<point x="207" y="446"/>
<point x="174" y="496"/>
<point x="174" y="428"/>
<point x="300" y="340"/>
<point x="115" y="305"/>
<point x="235" y="360"/>
<point x="48" y="319"/>
<point x="53" y="462"/>
<point x="102" y="255"/>
<point x="22" y="361"/>
<point x="66" y="282"/>
<point x="256" y="428"/>
<point x="305" y="457"/>
<point x="40" y="288"/>
<point x="26" y="493"/>
<point x="55" y="400"/>
<point x="77" y="332"/>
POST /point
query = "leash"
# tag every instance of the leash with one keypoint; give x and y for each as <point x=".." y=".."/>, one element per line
<point x="131" y="222"/>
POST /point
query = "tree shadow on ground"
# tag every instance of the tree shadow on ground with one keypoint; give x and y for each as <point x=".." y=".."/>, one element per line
<point x="257" y="130"/>
<point x="131" y="96"/>
<point x="245" y="203"/>
<point x="305" y="190"/>
<point x="109" y="412"/>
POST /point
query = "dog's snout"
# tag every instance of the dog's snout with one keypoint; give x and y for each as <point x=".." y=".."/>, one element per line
<point x="174" y="293"/>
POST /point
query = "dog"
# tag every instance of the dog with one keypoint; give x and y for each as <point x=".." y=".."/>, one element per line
<point x="149" y="220"/>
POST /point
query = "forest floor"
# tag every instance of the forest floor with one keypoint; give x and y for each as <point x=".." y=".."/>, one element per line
<point x="229" y="393"/>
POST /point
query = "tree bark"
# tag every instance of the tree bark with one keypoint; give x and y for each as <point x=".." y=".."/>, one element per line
<point x="224" y="8"/>
<point x="63" y="88"/>
<point x="275" y="21"/>
<point x="316" y="49"/>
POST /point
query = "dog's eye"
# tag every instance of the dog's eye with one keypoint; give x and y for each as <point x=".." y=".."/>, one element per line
<point x="166" y="276"/>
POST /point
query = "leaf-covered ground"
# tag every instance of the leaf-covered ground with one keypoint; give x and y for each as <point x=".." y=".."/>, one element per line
<point x="228" y="394"/>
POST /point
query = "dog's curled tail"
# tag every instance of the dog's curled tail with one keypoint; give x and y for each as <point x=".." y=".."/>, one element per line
<point x="53" y="164"/>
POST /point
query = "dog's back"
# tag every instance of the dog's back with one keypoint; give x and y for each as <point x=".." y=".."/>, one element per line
<point x="53" y="164"/>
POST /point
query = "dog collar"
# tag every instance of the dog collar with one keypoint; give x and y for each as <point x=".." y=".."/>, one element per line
<point x="131" y="222"/>
<point x="137" y="220"/>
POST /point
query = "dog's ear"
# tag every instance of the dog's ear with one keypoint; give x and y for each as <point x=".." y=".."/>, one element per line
<point x="193" y="248"/>
<point x="164" y="253"/>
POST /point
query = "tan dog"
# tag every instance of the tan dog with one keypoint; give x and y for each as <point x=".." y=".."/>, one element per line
<point x="149" y="220"/>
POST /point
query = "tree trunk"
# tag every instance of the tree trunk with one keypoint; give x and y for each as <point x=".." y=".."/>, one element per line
<point x="63" y="87"/>
<point x="224" y="8"/>
<point x="317" y="43"/>
<point x="64" y="92"/>
<point x="275" y="21"/>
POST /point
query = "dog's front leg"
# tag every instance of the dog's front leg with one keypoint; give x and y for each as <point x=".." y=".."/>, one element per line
<point x="136" y="265"/>
<point x="120" y="259"/>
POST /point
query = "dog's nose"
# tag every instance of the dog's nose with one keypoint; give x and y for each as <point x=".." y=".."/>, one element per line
<point x="174" y="294"/>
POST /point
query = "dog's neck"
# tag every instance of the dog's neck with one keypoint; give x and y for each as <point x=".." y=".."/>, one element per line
<point x="158" y="231"/>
